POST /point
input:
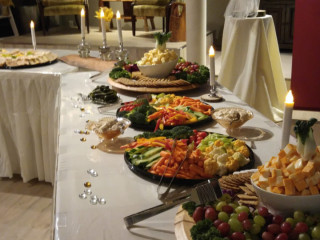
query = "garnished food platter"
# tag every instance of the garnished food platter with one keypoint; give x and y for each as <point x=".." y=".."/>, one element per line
<point x="165" y="111"/>
<point x="121" y="86"/>
<point x="18" y="59"/>
<point x="161" y="152"/>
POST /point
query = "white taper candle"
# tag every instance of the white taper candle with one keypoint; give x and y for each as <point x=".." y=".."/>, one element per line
<point x="103" y="27"/>
<point x="82" y="22"/>
<point x="287" y="119"/>
<point x="119" y="27"/>
<point x="33" y="35"/>
<point x="212" y="66"/>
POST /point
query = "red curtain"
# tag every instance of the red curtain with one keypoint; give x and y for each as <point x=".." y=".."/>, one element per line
<point x="305" y="82"/>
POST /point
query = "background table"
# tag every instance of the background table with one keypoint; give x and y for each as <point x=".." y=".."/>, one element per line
<point x="125" y="192"/>
<point x="29" y="114"/>
<point x="251" y="66"/>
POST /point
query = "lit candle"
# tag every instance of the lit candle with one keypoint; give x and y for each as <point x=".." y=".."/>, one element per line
<point x="33" y="35"/>
<point x="212" y="66"/>
<point x="82" y="22"/>
<point x="287" y="119"/>
<point x="119" y="27"/>
<point x="103" y="27"/>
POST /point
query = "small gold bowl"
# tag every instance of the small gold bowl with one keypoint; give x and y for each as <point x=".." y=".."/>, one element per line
<point x="231" y="117"/>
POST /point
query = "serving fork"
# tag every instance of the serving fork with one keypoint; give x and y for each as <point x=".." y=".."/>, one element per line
<point x="203" y="193"/>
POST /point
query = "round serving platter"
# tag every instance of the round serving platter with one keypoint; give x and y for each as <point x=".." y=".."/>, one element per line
<point x="30" y="66"/>
<point x="152" y="90"/>
<point x="178" y="181"/>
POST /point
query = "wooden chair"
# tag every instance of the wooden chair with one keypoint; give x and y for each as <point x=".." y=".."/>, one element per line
<point x="62" y="7"/>
<point x="148" y="9"/>
<point x="6" y="13"/>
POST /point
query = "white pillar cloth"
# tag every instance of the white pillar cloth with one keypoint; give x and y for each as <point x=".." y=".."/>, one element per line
<point x="251" y="65"/>
<point x="29" y="114"/>
<point x="196" y="30"/>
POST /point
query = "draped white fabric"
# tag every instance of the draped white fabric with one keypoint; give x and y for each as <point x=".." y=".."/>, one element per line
<point x="251" y="66"/>
<point x="29" y="114"/>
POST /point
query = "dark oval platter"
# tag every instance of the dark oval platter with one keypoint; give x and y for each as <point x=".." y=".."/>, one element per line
<point x="178" y="181"/>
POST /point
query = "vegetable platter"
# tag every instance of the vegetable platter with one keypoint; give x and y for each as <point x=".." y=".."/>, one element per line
<point x="212" y="155"/>
<point x="165" y="111"/>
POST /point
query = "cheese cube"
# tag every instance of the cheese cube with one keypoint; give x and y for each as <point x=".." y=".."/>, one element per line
<point x="255" y="176"/>
<point x="314" y="190"/>
<point x="290" y="168"/>
<point x="279" y="181"/>
<point x="276" y="172"/>
<point x="289" y="188"/>
<point x="279" y="190"/>
<point x="305" y="192"/>
<point x="290" y="149"/>
<point x="309" y="169"/>
<point x="282" y="154"/>
<point x="315" y="179"/>
<point x="299" y="164"/>
<point x="297" y="176"/>
<point x="263" y="179"/>
<point x="265" y="172"/>
<point x="284" y="161"/>
<point x="272" y="181"/>
<point x="285" y="172"/>
<point x="300" y="185"/>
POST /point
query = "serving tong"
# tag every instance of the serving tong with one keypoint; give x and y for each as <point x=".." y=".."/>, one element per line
<point x="203" y="193"/>
<point x="162" y="196"/>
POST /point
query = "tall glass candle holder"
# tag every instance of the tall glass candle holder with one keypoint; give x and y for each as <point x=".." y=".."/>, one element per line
<point x="84" y="49"/>
<point x="105" y="53"/>
<point x="122" y="53"/>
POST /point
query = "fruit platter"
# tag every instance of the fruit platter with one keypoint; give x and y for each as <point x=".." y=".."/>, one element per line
<point x="159" y="70"/>
<point x="281" y="200"/>
<point x="165" y="111"/>
<point x="195" y="155"/>
<point x="24" y="59"/>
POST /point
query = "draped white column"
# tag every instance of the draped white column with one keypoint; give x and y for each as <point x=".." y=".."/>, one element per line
<point x="196" y="30"/>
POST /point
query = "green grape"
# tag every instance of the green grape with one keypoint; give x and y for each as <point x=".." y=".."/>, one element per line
<point x="291" y="221"/>
<point x="255" y="229"/>
<point x="234" y="215"/>
<point x="225" y="198"/>
<point x="242" y="209"/>
<point x="298" y="216"/>
<point x="259" y="220"/>
<point x="315" y="233"/>
<point x="233" y="205"/>
<point x="235" y="225"/>
<point x="223" y="216"/>
<point x="247" y="235"/>
<point x="220" y="205"/>
<point x="310" y="220"/>
<point x="304" y="236"/>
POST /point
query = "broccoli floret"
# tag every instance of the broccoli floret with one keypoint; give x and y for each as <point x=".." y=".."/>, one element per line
<point x="122" y="114"/>
<point x="189" y="207"/>
<point x="181" y="132"/>
<point x="204" y="230"/>
<point x="139" y="114"/>
<point x="119" y="72"/>
<point x="137" y="117"/>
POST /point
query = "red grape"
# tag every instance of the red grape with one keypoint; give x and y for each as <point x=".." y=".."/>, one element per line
<point x="247" y="223"/>
<point x="263" y="211"/>
<point x="242" y="216"/>
<point x="282" y="236"/>
<point x="238" y="236"/>
<point x="286" y="227"/>
<point x="217" y="222"/>
<point x="228" y="209"/>
<point x="267" y="236"/>
<point x="198" y="214"/>
<point x="211" y="214"/>
<point x="224" y="229"/>
<point x="274" y="228"/>
<point x="301" y="227"/>
<point x="277" y="219"/>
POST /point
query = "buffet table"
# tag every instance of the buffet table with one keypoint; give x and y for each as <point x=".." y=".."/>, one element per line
<point x="251" y="66"/>
<point x="125" y="192"/>
<point x="29" y="118"/>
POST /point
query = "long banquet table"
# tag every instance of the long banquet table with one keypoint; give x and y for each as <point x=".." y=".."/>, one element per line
<point x="124" y="191"/>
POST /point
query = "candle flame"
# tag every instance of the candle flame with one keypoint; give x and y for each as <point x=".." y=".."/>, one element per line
<point x="101" y="13"/>
<point x="118" y="15"/>
<point x="82" y="12"/>
<point x="289" y="97"/>
<point x="211" y="52"/>
<point x="31" y="24"/>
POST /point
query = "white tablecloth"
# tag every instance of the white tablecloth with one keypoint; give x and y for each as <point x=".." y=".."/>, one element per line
<point x="251" y="66"/>
<point x="124" y="191"/>
<point x="29" y="113"/>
